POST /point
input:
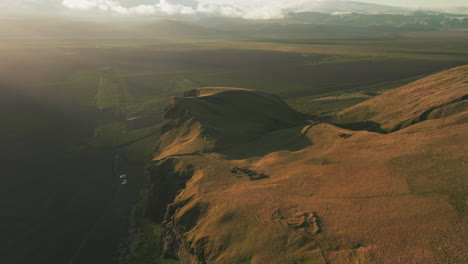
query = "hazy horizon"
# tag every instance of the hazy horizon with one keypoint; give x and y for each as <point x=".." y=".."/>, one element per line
<point x="248" y="9"/>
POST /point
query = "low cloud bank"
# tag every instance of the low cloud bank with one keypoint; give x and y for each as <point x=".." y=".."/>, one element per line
<point x="249" y="9"/>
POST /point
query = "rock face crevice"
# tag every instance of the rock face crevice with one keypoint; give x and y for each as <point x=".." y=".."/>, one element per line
<point x="164" y="180"/>
<point x="175" y="227"/>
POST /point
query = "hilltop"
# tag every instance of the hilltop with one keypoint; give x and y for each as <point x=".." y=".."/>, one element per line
<point x="223" y="120"/>
<point x="239" y="177"/>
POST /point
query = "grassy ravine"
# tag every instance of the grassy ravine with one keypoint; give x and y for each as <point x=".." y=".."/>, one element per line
<point x="328" y="104"/>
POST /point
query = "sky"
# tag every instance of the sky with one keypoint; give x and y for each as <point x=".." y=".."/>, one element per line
<point x="420" y="3"/>
<point x="249" y="9"/>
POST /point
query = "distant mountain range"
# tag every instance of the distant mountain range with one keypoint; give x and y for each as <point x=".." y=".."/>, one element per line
<point x="463" y="10"/>
<point x="294" y="25"/>
<point x="332" y="17"/>
<point x="418" y="20"/>
<point x="343" y="7"/>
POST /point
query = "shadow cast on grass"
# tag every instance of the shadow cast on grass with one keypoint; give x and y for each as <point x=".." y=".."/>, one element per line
<point x="288" y="139"/>
<point x="363" y="126"/>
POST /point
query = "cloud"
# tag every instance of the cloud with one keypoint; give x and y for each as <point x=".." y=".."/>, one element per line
<point x="249" y="9"/>
<point x="8" y="5"/>
<point x="163" y="7"/>
<point x="80" y="4"/>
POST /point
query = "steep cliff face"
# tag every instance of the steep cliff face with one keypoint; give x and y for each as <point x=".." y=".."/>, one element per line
<point x="239" y="177"/>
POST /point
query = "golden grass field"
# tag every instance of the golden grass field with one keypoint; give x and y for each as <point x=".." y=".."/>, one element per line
<point x="329" y="195"/>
